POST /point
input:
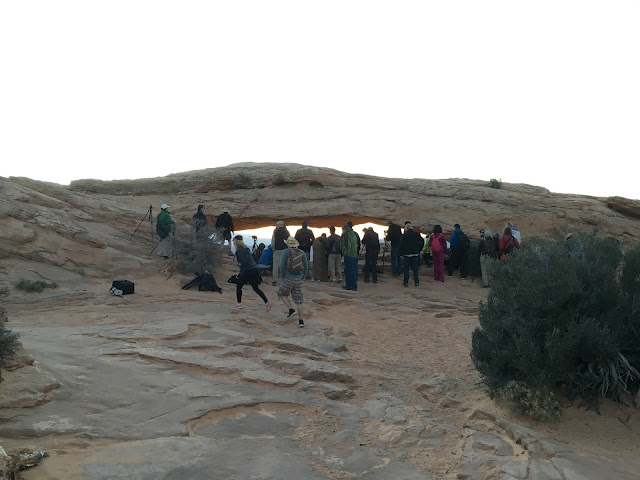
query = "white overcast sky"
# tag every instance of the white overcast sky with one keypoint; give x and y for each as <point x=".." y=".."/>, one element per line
<point x="540" y="92"/>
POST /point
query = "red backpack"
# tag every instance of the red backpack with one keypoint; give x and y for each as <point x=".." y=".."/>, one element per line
<point x="436" y="246"/>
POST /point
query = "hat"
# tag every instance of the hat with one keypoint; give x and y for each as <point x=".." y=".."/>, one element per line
<point x="407" y="222"/>
<point x="238" y="237"/>
<point x="292" y="242"/>
<point x="200" y="206"/>
<point x="487" y="233"/>
<point x="408" y="226"/>
<point x="164" y="206"/>
<point x="350" y="223"/>
<point x="225" y="210"/>
<point x="280" y="222"/>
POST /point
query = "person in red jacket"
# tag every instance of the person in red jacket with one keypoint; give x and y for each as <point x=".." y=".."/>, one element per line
<point x="507" y="243"/>
<point x="438" y="252"/>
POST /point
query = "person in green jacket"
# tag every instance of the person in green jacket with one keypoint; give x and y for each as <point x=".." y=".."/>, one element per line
<point x="350" y="253"/>
<point x="164" y="227"/>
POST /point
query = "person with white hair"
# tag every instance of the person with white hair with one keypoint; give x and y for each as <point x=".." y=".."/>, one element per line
<point x="164" y="227"/>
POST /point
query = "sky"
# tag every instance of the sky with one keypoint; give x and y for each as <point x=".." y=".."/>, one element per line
<point x="545" y="93"/>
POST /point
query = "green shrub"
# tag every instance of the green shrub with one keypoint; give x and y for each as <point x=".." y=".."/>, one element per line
<point x="563" y="314"/>
<point x="495" y="183"/>
<point x="8" y="344"/>
<point x="34" y="285"/>
<point x="194" y="257"/>
<point x="538" y="404"/>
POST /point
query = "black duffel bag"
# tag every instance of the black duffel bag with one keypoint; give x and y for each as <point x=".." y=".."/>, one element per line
<point x="126" y="286"/>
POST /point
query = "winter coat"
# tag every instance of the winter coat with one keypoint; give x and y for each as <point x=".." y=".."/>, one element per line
<point x="278" y="238"/>
<point x="164" y="221"/>
<point x="394" y="235"/>
<point x="225" y="222"/>
<point x="245" y="260"/>
<point x="350" y="244"/>
<point x="305" y="238"/>
<point x="411" y="243"/>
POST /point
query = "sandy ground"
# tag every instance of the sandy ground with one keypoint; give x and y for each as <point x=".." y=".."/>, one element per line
<point x="401" y="335"/>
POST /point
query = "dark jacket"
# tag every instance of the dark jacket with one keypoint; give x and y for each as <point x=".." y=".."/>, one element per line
<point x="453" y="241"/>
<point x="245" y="260"/>
<point x="333" y="244"/>
<point x="225" y="222"/>
<point x="371" y="241"/>
<point x="411" y="243"/>
<point x="200" y="224"/>
<point x="394" y="235"/>
<point x="278" y="238"/>
<point x="305" y="238"/>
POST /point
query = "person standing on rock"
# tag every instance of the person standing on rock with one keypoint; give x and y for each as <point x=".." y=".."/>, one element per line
<point x="410" y="247"/>
<point x="334" y="248"/>
<point x="305" y="238"/>
<point x="371" y="242"/>
<point x="294" y="266"/>
<point x="487" y="255"/>
<point x="350" y="252"/>
<point x="224" y="224"/>
<point x="278" y="245"/>
<point x="164" y="227"/>
<point x="459" y="252"/>
<point x="249" y="273"/>
<point x="394" y="235"/>
<point x="320" y="267"/>
<point x="438" y="247"/>
<point x="200" y="225"/>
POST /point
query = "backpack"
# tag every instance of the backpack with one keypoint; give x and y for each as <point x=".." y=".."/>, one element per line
<point x="489" y="246"/>
<point x="126" y="286"/>
<point x="463" y="242"/>
<point x="436" y="246"/>
<point x="511" y="246"/>
<point x="207" y="283"/>
<point x="295" y="262"/>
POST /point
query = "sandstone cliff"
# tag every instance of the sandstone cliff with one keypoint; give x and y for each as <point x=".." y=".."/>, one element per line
<point x="86" y="227"/>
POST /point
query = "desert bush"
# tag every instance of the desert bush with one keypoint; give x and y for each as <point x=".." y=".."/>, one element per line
<point x="563" y="314"/>
<point x="8" y="344"/>
<point x="34" y="285"/>
<point x="194" y="257"/>
<point x="539" y="404"/>
<point x="495" y="183"/>
<point x="4" y="292"/>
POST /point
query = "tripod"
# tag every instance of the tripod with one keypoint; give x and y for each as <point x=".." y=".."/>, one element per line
<point x="150" y="215"/>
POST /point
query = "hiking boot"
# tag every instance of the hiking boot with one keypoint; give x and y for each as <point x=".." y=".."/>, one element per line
<point x="344" y="287"/>
<point x="292" y="312"/>
<point x="417" y="284"/>
<point x="301" y="323"/>
<point x="406" y="284"/>
<point x="274" y="283"/>
<point x="268" y="305"/>
<point x="237" y="306"/>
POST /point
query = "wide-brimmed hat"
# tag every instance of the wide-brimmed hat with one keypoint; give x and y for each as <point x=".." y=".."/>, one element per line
<point x="164" y="206"/>
<point x="291" y="242"/>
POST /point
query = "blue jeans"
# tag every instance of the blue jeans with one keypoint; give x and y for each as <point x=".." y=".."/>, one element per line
<point x="351" y="273"/>
<point x="411" y="262"/>
<point x="396" y="269"/>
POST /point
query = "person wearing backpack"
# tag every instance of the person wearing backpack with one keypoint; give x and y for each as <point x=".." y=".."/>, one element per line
<point x="294" y="266"/>
<point x="438" y="246"/>
<point x="460" y="245"/>
<point x="372" y="242"/>
<point x="487" y="254"/>
<point x="507" y="243"/>
<point x="164" y="228"/>
<point x="334" y="249"/>
<point x="305" y="238"/>
<point x="249" y="273"/>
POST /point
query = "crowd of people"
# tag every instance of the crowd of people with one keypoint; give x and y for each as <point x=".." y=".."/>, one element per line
<point x="288" y="257"/>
